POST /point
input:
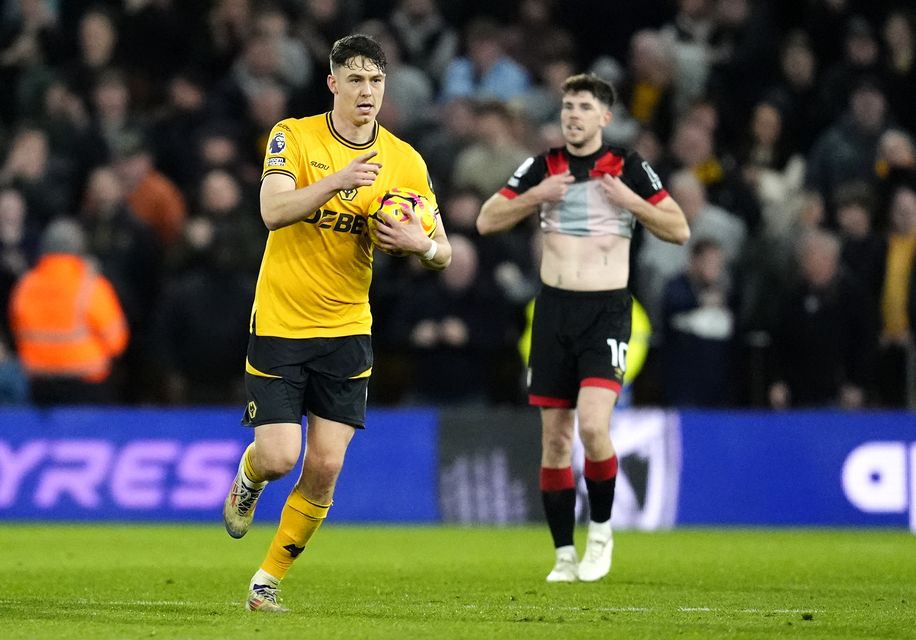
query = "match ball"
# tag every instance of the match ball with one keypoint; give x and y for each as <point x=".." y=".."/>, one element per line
<point x="400" y="203"/>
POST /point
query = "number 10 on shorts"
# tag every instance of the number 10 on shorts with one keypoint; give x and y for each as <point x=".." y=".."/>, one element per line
<point x="618" y="353"/>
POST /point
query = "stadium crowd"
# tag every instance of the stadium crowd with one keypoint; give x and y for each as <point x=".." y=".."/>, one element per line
<point x="785" y="130"/>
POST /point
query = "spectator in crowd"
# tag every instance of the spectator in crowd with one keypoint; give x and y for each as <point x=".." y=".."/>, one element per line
<point x="113" y="115"/>
<point x="126" y="248"/>
<point x="257" y="68"/>
<point x="689" y="34"/>
<point x="797" y="89"/>
<point x="197" y="356"/>
<point x="430" y="43"/>
<point x="542" y="104"/>
<point x="151" y="195"/>
<point x="14" y="386"/>
<point x="18" y="246"/>
<point x="145" y="26"/>
<point x="846" y="151"/>
<point x="648" y="90"/>
<point x="896" y="331"/>
<point x="67" y="322"/>
<point x="660" y="261"/>
<point x="223" y="215"/>
<point x="441" y="145"/>
<point x="97" y="50"/>
<point x="218" y="147"/>
<point x="456" y="321"/>
<point x="773" y="169"/>
<point x="28" y="167"/>
<point x="295" y="68"/>
<point x="899" y="65"/>
<point x="824" y="342"/>
<point x="864" y="250"/>
<point x="177" y="127"/>
<point x="76" y="144"/>
<point x="485" y="71"/>
<point x="29" y="45"/>
<point x="229" y="23"/>
<point x="699" y="332"/>
<point x="861" y="59"/>
<point x="895" y="166"/>
<point x="535" y="36"/>
<point x="692" y="147"/>
<point x="487" y="164"/>
<point x="742" y="61"/>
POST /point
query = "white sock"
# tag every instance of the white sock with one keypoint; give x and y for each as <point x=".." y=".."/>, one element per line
<point x="262" y="577"/>
<point x="251" y="484"/>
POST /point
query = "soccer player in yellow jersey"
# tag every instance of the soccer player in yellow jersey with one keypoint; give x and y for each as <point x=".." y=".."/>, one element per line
<point x="309" y="352"/>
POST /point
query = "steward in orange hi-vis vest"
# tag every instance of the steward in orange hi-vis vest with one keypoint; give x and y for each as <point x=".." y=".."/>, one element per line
<point x="66" y="319"/>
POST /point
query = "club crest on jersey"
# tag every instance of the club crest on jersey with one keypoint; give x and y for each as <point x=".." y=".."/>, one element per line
<point x="277" y="143"/>
<point x="347" y="194"/>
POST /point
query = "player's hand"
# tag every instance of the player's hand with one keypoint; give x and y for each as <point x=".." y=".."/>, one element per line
<point x="617" y="192"/>
<point x="553" y="188"/>
<point x="404" y="236"/>
<point x="359" y="173"/>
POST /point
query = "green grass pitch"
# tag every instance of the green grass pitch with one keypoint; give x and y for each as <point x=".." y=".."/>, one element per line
<point x="99" y="582"/>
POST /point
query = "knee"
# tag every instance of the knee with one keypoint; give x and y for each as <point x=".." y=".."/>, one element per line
<point x="324" y="467"/>
<point x="558" y="443"/>
<point x="276" y="464"/>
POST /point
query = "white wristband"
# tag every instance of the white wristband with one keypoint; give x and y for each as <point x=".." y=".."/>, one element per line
<point x="431" y="252"/>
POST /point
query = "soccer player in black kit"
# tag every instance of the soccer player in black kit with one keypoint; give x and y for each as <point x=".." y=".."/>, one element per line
<point x="588" y="195"/>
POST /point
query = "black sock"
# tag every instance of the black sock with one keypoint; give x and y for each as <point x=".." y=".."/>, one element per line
<point x="560" y="509"/>
<point x="600" y="498"/>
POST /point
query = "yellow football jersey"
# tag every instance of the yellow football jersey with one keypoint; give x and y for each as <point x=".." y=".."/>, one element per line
<point x="315" y="274"/>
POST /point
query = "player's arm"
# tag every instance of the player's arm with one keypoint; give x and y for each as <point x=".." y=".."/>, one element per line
<point x="282" y="204"/>
<point x="442" y="255"/>
<point x="500" y="212"/>
<point x="664" y="219"/>
<point x="647" y="200"/>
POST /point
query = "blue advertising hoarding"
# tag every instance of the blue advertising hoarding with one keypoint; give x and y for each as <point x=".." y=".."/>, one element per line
<point x="177" y="465"/>
<point x="798" y="468"/>
<point x="421" y="465"/>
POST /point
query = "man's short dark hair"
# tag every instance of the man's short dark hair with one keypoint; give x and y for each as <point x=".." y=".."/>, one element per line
<point x="355" y="46"/>
<point x="602" y="90"/>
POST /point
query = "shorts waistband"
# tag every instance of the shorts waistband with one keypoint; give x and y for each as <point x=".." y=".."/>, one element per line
<point x="553" y="292"/>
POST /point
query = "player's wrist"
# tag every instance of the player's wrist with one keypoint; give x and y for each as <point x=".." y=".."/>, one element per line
<point x="430" y="254"/>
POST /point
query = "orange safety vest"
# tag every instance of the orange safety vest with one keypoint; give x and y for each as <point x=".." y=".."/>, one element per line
<point x="66" y="320"/>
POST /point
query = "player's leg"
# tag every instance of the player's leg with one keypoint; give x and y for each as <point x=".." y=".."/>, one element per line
<point x="558" y="489"/>
<point x="602" y="348"/>
<point x="552" y="386"/>
<point x="336" y="402"/>
<point x="273" y="453"/>
<point x="305" y="509"/>
<point x="595" y="406"/>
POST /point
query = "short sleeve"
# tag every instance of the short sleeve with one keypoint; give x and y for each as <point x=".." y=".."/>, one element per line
<point x="282" y="153"/>
<point x="639" y="175"/>
<point x="528" y="174"/>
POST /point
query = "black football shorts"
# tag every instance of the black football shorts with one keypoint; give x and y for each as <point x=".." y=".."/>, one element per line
<point x="578" y="339"/>
<point x="286" y="378"/>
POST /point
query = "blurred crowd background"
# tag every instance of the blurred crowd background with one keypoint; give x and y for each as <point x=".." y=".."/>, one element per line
<point x="783" y="128"/>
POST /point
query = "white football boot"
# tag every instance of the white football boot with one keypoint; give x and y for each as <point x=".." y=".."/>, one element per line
<point x="238" y="510"/>
<point x="565" y="568"/>
<point x="598" y="550"/>
<point x="263" y="594"/>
